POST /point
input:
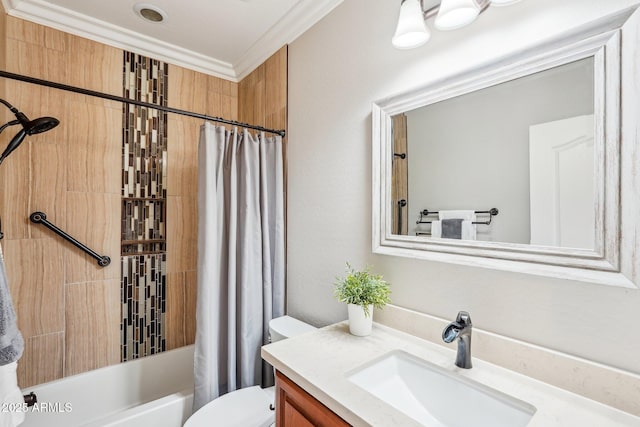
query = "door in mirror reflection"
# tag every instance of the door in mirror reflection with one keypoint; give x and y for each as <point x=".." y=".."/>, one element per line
<point x="524" y="147"/>
<point x="561" y="183"/>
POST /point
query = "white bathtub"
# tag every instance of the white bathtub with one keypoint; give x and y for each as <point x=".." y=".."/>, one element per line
<point x="155" y="391"/>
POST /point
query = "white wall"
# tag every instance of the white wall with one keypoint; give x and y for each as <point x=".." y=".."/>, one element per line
<point x="461" y="149"/>
<point x="336" y="70"/>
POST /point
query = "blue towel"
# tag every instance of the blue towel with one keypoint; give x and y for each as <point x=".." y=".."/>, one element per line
<point x="11" y="343"/>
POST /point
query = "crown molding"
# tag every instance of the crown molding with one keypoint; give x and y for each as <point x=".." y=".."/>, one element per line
<point x="66" y="20"/>
<point x="299" y="19"/>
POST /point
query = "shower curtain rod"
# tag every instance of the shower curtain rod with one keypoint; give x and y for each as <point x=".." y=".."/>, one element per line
<point x="124" y="100"/>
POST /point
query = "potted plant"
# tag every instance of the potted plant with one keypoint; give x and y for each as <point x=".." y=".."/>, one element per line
<point x="362" y="291"/>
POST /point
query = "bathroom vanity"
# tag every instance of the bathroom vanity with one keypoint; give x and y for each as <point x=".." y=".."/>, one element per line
<point x="330" y="377"/>
<point x="295" y="407"/>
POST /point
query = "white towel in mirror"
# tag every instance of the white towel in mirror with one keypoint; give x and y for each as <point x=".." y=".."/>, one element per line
<point x="436" y="230"/>
<point x="468" y="230"/>
<point x="468" y="227"/>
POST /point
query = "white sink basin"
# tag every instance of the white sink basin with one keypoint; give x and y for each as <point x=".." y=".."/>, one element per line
<point x="434" y="396"/>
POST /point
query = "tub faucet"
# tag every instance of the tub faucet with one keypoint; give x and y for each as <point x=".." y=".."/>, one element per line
<point x="461" y="329"/>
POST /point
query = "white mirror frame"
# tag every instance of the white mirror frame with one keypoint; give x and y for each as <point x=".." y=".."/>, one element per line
<point x="613" y="43"/>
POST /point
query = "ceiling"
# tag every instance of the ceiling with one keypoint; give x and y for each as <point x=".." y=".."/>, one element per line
<point x="225" y="38"/>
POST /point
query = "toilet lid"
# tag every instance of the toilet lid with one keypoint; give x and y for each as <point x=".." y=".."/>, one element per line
<point x="248" y="407"/>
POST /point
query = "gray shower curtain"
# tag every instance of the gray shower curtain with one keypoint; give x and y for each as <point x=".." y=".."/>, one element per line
<point x="240" y="258"/>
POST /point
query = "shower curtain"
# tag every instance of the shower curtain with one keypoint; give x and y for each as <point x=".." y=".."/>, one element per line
<point x="240" y="258"/>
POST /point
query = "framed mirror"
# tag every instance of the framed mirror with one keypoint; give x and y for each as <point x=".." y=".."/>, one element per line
<point x="528" y="165"/>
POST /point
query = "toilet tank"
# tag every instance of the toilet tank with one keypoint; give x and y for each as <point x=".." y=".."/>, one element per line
<point x="284" y="327"/>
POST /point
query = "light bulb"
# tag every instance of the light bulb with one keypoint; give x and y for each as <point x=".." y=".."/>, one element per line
<point x="455" y="14"/>
<point x="503" y="2"/>
<point x="411" y="31"/>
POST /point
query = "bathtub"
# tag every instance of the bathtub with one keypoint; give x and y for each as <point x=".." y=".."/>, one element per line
<point x="153" y="391"/>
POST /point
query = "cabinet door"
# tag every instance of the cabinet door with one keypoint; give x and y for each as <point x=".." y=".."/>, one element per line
<point x="297" y="408"/>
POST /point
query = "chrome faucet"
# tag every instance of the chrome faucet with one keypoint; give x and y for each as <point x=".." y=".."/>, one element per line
<point x="460" y="329"/>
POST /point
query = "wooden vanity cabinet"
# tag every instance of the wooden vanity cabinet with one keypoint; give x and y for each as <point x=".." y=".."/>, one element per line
<point x="297" y="408"/>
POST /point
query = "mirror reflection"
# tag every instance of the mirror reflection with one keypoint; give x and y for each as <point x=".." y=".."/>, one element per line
<point x="510" y="163"/>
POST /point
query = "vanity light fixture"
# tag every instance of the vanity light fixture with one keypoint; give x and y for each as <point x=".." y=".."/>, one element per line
<point x="412" y="30"/>
<point x="503" y="2"/>
<point x="454" y="14"/>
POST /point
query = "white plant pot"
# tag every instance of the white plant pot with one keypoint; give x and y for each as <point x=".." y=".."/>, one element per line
<point x="359" y="324"/>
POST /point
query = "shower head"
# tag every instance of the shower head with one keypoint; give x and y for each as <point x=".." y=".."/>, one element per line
<point x="29" y="127"/>
<point x="42" y="124"/>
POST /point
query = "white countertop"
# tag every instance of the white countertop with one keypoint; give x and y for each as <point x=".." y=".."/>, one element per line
<point x="320" y="361"/>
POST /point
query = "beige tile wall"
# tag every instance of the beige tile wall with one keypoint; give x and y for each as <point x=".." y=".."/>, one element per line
<point x="92" y="320"/>
<point x="69" y="308"/>
<point x="263" y="93"/>
<point x="43" y="359"/>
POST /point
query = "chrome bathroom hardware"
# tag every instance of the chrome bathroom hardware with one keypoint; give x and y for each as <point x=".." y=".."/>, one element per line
<point x="460" y="329"/>
<point x="41" y="218"/>
<point x="491" y="212"/>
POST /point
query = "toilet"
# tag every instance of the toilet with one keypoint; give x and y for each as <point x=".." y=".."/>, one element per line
<point x="248" y="407"/>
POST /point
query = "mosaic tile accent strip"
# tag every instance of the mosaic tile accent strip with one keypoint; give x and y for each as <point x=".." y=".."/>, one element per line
<point x="144" y="173"/>
<point x="144" y="151"/>
<point x="143" y="291"/>
<point x="143" y="226"/>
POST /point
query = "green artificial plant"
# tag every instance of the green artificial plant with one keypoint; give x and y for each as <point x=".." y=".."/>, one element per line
<point x="362" y="288"/>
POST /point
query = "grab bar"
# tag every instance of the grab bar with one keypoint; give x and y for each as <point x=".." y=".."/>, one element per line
<point x="41" y="218"/>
